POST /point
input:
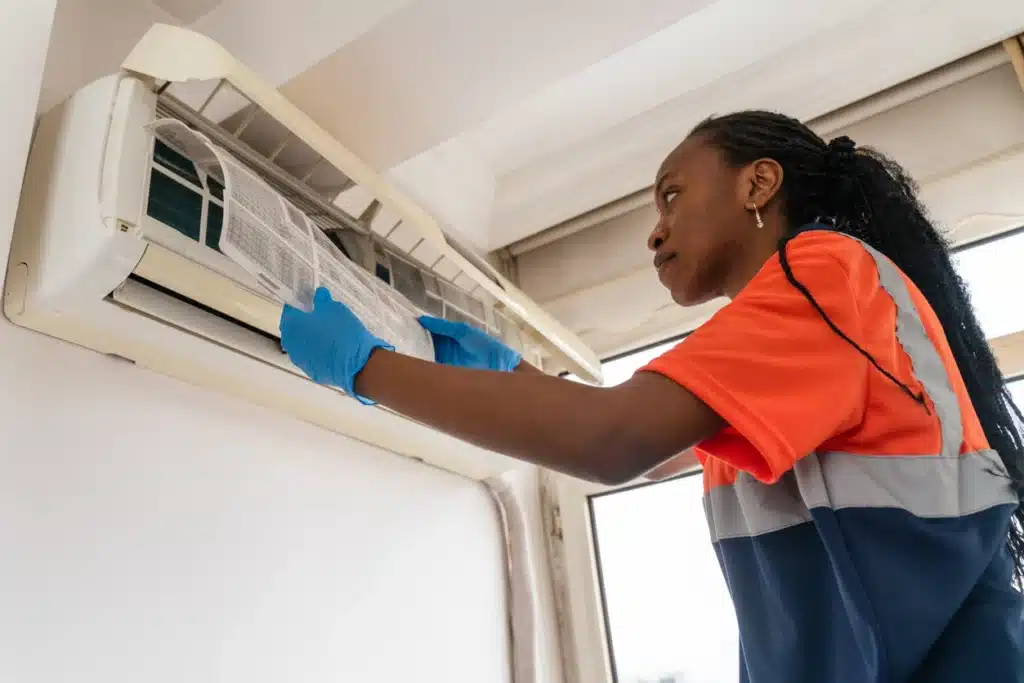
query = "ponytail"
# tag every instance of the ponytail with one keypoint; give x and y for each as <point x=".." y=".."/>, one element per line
<point x="860" y="192"/>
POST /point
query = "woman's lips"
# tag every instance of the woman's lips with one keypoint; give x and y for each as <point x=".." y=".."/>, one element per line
<point x="661" y="261"/>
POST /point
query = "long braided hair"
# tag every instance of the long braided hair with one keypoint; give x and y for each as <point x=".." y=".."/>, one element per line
<point x="860" y="192"/>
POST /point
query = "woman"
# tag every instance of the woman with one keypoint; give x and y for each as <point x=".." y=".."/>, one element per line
<point x="862" y="461"/>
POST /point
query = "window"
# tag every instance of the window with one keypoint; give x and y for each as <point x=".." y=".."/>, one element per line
<point x="667" y="608"/>
<point x="993" y="273"/>
<point x="618" y="370"/>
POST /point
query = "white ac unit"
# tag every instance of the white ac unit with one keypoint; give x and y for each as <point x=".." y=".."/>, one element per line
<point x="116" y="243"/>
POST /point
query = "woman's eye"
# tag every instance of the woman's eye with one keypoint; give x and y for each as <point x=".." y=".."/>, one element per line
<point x="668" y="195"/>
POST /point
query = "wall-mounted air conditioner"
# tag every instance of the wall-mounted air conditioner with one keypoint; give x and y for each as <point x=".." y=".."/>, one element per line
<point x="169" y="210"/>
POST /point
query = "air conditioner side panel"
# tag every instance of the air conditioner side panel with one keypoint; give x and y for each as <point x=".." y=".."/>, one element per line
<point x="65" y="257"/>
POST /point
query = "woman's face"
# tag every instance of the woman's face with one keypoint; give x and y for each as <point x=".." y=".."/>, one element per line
<point x="704" y="213"/>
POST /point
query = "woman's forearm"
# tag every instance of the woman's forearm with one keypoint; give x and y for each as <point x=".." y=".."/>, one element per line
<point x="526" y="415"/>
<point x="684" y="462"/>
<point x="526" y="367"/>
<point x="607" y="435"/>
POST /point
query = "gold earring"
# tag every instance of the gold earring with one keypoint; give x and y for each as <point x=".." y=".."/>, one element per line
<point x="757" y="217"/>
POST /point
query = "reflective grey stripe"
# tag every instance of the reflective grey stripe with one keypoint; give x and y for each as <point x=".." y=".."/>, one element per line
<point x="749" y="508"/>
<point x="924" y="357"/>
<point x="933" y="487"/>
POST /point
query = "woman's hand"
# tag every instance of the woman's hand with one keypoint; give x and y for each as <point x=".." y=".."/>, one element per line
<point x="330" y="344"/>
<point x="465" y="346"/>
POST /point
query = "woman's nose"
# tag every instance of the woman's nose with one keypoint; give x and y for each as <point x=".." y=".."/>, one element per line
<point x="657" y="237"/>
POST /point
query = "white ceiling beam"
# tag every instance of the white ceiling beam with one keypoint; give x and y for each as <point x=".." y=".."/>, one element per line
<point x="916" y="88"/>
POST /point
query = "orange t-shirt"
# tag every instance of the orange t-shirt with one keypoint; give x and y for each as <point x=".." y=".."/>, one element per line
<point x="788" y="385"/>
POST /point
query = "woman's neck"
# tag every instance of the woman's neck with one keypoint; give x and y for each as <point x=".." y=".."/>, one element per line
<point x="760" y="246"/>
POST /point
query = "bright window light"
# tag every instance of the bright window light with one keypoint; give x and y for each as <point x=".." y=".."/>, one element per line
<point x="670" y="617"/>
<point x="1016" y="388"/>
<point x="619" y="370"/>
<point x="995" y="277"/>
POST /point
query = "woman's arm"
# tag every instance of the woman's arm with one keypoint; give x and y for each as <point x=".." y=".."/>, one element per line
<point x="684" y="462"/>
<point x="608" y="435"/>
<point x="527" y="368"/>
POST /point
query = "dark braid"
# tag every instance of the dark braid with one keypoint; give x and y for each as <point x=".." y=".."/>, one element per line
<point x="862" y="193"/>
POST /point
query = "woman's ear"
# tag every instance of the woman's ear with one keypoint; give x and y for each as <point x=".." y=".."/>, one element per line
<point x="764" y="180"/>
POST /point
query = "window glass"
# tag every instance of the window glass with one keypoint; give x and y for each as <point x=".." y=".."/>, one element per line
<point x="1016" y="388"/>
<point x="668" y="610"/>
<point x="619" y="370"/>
<point x="994" y="277"/>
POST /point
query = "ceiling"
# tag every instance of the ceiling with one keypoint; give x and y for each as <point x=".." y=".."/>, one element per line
<point x="507" y="118"/>
<point x="504" y="119"/>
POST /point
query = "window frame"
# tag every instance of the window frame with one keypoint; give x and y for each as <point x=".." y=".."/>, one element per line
<point x="573" y="549"/>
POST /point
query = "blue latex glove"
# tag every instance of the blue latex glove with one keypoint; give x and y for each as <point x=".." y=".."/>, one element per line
<point x="466" y="346"/>
<point x="330" y="344"/>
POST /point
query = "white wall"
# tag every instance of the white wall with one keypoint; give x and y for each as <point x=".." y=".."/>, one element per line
<point x="154" y="532"/>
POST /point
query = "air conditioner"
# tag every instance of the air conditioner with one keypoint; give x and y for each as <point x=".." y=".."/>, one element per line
<point x="119" y="244"/>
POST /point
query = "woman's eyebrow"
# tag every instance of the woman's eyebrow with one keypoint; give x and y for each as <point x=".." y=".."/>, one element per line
<point x="660" y="181"/>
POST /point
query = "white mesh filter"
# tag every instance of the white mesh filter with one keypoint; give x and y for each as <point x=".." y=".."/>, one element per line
<point x="288" y="254"/>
